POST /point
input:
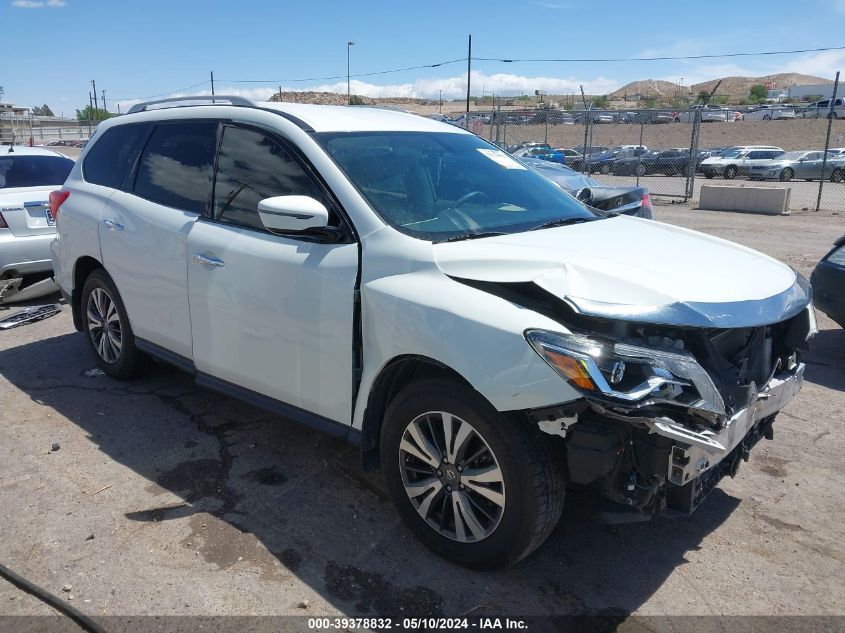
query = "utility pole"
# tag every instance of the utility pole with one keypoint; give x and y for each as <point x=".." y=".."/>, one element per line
<point x="441" y="102"/>
<point x="90" y="110"/>
<point x="105" y="109"/>
<point x="212" y="82"/>
<point x="280" y="94"/>
<point x="349" y="46"/>
<point x="469" y="69"/>
<point x="96" y="105"/>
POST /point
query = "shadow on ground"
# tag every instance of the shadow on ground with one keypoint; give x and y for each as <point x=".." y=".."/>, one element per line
<point x="826" y="359"/>
<point x="240" y="474"/>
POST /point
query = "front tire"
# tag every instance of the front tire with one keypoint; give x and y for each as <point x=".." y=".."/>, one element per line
<point x="476" y="486"/>
<point x="786" y="175"/>
<point x="107" y="329"/>
<point x="838" y="175"/>
<point x="730" y="172"/>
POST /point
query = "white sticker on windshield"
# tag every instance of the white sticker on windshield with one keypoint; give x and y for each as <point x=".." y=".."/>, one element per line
<point x="498" y="156"/>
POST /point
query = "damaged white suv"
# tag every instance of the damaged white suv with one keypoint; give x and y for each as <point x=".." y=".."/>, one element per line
<point x="485" y="338"/>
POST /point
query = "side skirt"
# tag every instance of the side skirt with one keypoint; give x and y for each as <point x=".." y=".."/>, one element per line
<point x="289" y="411"/>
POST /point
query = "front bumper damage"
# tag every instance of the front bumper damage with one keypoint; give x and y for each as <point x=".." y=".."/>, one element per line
<point x="644" y="466"/>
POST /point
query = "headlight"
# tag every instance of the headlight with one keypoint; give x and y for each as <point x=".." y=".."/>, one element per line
<point x="605" y="370"/>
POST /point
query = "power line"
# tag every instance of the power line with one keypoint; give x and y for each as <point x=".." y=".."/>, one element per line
<point x="492" y="59"/>
<point x="662" y="58"/>
<point x="370" y="74"/>
<point x="163" y="94"/>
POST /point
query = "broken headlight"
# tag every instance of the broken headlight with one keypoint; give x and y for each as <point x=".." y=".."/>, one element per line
<point x="606" y="370"/>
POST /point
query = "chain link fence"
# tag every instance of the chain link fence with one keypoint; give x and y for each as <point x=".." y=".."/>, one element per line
<point x="673" y="153"/>
<point x="42" y="130"/>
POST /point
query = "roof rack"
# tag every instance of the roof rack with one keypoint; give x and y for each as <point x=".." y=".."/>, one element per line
<point x="214" y="99"/>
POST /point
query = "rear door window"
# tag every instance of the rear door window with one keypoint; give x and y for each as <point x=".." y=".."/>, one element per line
<point x="252" y="166"/>
<point x="110" y="161"/>
<point x="176" y="167"/>
<point x="33" y="171"/>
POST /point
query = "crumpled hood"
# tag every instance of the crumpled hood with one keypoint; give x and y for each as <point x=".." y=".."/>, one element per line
<point x="639" y="270"/>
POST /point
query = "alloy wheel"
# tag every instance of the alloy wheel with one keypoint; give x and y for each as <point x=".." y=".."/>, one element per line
<point x="104" y="325"/>
<point x="452" y="476"/>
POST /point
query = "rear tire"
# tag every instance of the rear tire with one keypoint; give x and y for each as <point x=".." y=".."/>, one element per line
<point x="521" y="491"/>
<point x="604" y="169"/>
<point x="641" y="170"/>
<point x="786" y="175"/>
<point x="107" y="330"/>
<point x="838" y="175"/>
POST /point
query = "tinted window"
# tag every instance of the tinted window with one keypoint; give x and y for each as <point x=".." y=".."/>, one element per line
<point x="251" y="166"/>
<point x="33" y="171"/>
<point x="176" y="167"/>
<point x="111" y="158"/>
<point x="756" y="155"/>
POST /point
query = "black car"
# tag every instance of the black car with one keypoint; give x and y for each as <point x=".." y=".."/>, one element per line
<point x="634" y="201"/>
<point x="671" y="162"/>
<point x="828" y="281"/>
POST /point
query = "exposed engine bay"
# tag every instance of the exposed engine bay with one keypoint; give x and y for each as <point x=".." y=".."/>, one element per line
<point x="667" y="410"/>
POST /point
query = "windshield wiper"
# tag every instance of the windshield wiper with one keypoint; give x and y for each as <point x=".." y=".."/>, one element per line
<point x="561" y="222"/>
<point x="471" y="236"/>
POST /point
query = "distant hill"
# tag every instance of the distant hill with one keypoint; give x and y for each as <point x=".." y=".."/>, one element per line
<point x="649" y="88"/>
<point x="334" y="98"/>
<point x="730" y="86"/>
<point x="734" y="86"/>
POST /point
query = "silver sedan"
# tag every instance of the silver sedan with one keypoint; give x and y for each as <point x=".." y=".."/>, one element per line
<point x="805" y="165"/>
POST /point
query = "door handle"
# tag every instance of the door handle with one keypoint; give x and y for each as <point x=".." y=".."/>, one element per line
<point x="113" y="225"/>
<point x="199" y="258"/>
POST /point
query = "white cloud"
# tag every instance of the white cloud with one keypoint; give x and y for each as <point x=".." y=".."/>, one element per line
<point x="823" y="64"/>
<point x="453" y="87"/>
<point x="38" y="4"/>
<point x="504" y="84"/>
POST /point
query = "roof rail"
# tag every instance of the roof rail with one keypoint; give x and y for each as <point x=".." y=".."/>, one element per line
<point x="214" y="99"/>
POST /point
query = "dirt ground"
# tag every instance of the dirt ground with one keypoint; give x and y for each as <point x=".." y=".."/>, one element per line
<point x="162" y="498"/>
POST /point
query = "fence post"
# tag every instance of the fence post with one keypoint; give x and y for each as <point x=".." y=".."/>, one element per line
<point x="546" y="134"/>
<point x="639" y="150"/>
<point x="693" y="155"/>
<point x="827" y="139"/>
<point x="584" y="146"/>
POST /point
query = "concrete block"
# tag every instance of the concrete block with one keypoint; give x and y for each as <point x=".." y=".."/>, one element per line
<point x="765" y="200"/>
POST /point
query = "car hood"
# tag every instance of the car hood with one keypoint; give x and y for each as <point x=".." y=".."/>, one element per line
<point x="636" y="270"/>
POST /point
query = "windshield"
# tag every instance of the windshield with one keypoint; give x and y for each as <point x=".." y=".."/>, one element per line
<point x="33" y="171"/>
<point x="439" y="186"/>
<point x="731" y="153"/>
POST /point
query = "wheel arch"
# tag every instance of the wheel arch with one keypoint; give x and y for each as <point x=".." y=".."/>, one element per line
<point x="393" y="377"/>
<point x="82" y="268"/>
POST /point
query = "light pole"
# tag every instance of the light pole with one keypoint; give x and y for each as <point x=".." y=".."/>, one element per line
<point x="441" y="102"/>
<point x="349" y="46"/>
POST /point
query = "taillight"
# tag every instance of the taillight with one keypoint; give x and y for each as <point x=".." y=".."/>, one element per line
<point x="646" y="200"/>
<point x="56" y="200"/>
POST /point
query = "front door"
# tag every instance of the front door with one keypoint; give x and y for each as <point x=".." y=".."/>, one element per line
<point x="271" y="313"/>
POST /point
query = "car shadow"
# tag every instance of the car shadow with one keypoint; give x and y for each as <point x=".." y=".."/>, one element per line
<point x="236" y="474"/>
<point x="826" y="359"/>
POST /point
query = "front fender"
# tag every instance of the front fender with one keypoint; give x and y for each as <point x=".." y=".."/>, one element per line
<point x="476" y="334"/>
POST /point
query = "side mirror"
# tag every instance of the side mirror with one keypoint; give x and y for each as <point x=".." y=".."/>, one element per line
<point x="292" y="214"/>
<point x="584" y="195"/>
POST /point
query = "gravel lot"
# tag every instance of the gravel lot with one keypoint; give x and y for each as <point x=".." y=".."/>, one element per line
<point x="167" y="499"/>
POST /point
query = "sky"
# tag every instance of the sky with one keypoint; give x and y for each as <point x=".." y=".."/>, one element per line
<point x="52" y="49"/>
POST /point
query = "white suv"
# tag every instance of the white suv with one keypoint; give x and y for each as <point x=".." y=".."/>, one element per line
<point x="481" y="335"/>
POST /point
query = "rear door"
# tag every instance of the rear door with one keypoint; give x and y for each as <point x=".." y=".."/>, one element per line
<point x="144" y="230"/>
<point x="26" y="181"/>
<point x="272" y="313"/>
